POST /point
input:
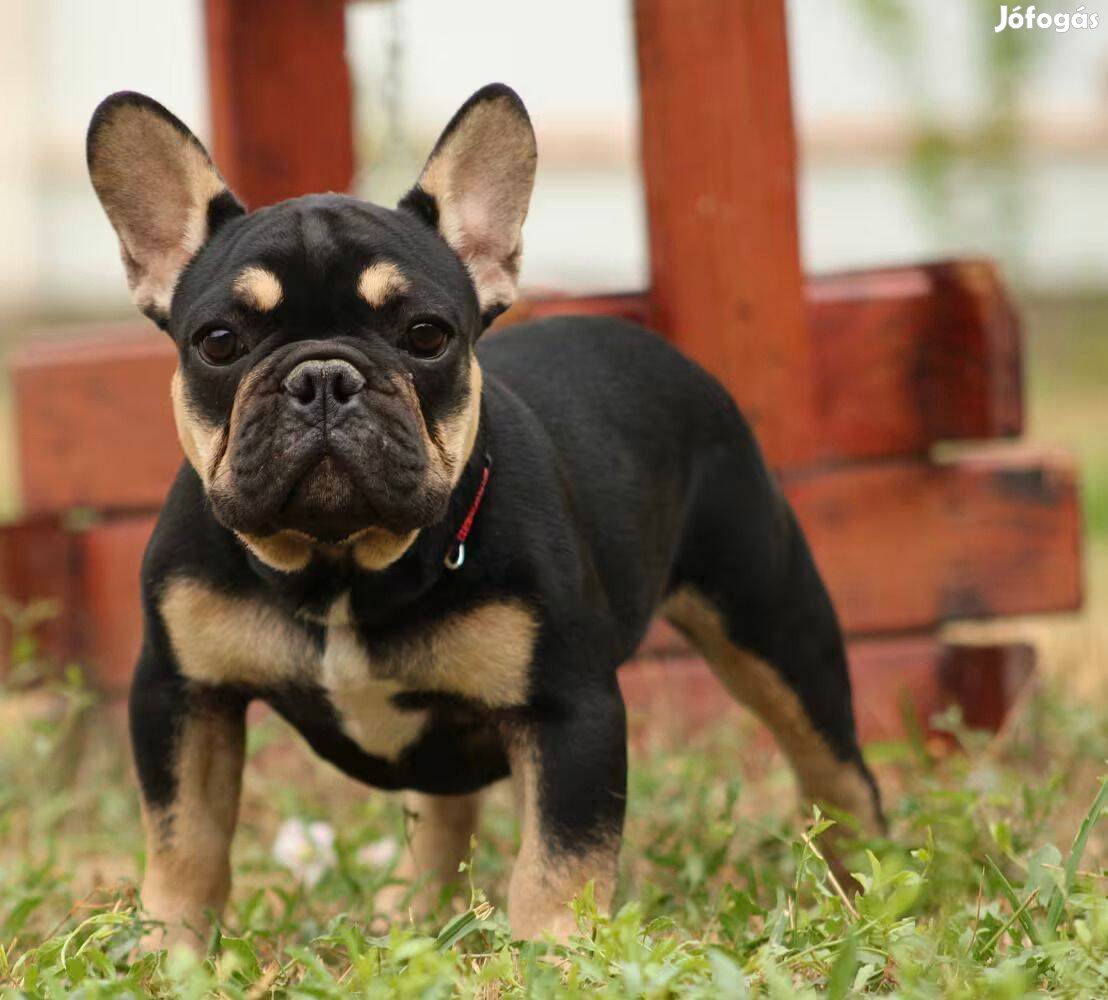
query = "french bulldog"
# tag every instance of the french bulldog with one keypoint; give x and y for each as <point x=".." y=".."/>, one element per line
<point x="426" y="549"/>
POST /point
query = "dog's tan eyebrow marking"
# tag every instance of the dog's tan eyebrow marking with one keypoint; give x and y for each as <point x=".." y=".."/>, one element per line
<point x="381" y="282"/>
<point x="258" y="288"/>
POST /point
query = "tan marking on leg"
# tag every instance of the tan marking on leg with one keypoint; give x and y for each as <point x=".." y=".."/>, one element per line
<point x="203" y="444"/>
<point x="188" y="860"/>
<point x="382" y="282"/>
<point x="220" y="639"/>
<point x="439" y="829"/>
<point x="823" y="777"/>
<point x="545" y="877"/>
<point x="258" y="289"/>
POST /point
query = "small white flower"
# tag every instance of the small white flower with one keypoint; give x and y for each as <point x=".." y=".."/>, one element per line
<point x="305" y="849"/>
<point x="379" y="853"/>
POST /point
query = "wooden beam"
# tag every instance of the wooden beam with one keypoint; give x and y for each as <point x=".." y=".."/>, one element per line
<point x="93" y="420"/>
<point x="905" y="357"/>
<point x="92" y="575"/>
<point x="280" y="97"/>
<point x="39" y="583"/>
<point x="718" y="157"/>
<point x="910" y="356"/>
<point x="908" y="544"/>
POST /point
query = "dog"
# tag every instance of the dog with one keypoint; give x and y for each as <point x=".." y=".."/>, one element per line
<point x="428" y="551"/>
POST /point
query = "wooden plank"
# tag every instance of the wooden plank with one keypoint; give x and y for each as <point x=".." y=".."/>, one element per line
<point x="718" y="157"/>
<point x="39" y="573"/>
<point x="93" y="575"/>
<point x="675" y="696"/>
<point x="910" y="356"/>
<point x="907" y="544"/>
<point x="93" y="420"/>
<point x="280" y="97"/>
<point x="111" y="556"/>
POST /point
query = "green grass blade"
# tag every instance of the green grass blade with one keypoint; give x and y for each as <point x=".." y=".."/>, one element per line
<point x="1014" y="901"/>
<point x="1058" y="900"/>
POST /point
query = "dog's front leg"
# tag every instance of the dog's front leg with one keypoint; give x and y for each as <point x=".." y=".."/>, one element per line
<point x="188" y="743"/>
<point x="569" y="774"/>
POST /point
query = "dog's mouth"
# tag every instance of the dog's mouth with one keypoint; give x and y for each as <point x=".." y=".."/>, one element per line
<point x="327" y="490"/>
<point x="326" y="504"/>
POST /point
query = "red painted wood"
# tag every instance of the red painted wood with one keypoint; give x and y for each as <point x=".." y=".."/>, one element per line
<point x="909" y="356"/>
<point x="111" y="554"/>
<point x="39" y="565"/>
<point x="280" y="97"/>
<point x="906" y="544"/>
<point x="902" y="545"/>
<point x="93" y="419"/>
<point x="718" y="160"/>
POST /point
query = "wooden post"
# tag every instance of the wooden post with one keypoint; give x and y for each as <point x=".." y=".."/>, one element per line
<point x="280" y="97"/>
<point x="718" y="167"/>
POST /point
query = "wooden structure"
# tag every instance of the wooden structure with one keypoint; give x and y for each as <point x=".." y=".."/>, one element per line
<point x="851" y="379"/>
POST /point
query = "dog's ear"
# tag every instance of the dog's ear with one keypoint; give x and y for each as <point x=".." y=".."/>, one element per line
<point x="475" y="188"/>
<point x="160" y="190"/>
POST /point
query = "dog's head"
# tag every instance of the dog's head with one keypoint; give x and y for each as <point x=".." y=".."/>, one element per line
<point x="327" y="392"/>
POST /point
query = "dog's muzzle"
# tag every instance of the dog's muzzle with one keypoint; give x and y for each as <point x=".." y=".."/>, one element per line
<point x="326" y="443"/>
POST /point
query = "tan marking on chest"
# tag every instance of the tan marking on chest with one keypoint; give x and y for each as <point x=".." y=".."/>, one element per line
<point x="483" y="654"/>
<point x="220" y="639"/>
<point x="363" y="700"/>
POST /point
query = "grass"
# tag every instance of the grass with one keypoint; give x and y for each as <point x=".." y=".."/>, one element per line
<point x="991" y="885"/>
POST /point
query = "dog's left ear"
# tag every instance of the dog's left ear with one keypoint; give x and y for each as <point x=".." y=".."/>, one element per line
<point x="160" y="190"/>
<point x="475" y="188"/>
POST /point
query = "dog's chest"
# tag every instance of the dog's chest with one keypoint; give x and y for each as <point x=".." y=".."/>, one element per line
<point x="482" y="654"/>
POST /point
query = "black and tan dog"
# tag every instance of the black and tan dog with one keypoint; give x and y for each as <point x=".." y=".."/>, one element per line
<point x="431" y="558"/>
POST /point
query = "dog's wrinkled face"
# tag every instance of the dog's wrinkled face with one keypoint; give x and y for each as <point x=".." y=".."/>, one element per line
<point x="327" y="393"/>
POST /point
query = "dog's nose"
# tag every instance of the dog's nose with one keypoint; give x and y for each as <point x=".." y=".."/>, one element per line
<point x="330" y="384"/>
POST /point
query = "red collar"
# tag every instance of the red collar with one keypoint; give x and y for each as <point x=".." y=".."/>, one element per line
<point x="456" y="554"/>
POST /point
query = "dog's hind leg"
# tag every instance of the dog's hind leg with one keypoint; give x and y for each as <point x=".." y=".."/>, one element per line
<point x="750" y="599"/>
<point x="439" y="829"/>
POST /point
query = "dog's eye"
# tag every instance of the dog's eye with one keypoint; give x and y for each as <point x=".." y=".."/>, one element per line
<point x="219" y="347"/>
<point x="425" y="340"/>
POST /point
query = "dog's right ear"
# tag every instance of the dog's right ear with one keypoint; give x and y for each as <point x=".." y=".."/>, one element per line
<point x="160" y="190"/>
